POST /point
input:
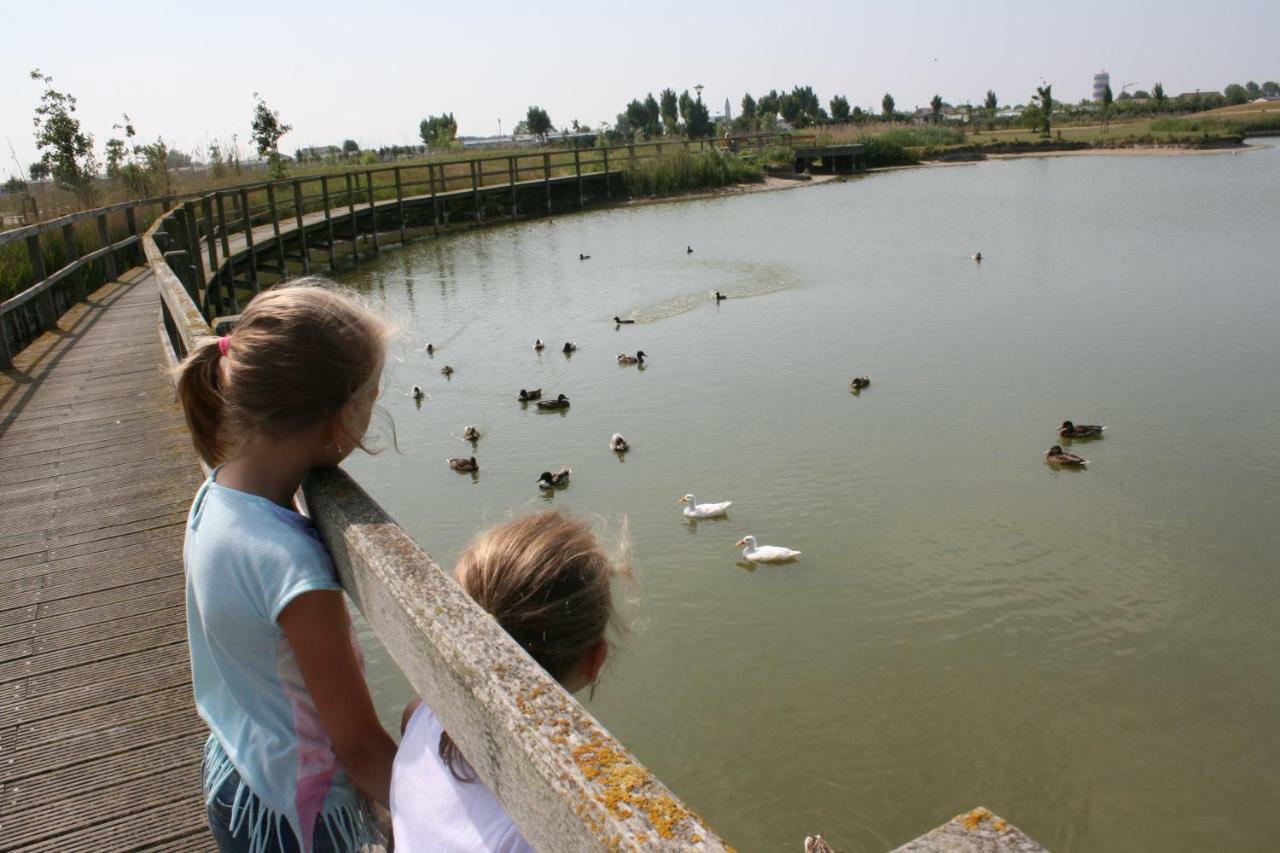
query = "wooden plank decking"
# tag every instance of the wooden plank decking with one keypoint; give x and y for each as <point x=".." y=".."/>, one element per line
<point x="100" y="744"/>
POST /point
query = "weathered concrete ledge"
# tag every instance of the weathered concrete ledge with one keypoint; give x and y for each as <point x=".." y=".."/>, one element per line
<point x="977" y="831"/>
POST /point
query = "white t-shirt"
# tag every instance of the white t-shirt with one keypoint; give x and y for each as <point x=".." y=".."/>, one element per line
<point x="432" y="811"/>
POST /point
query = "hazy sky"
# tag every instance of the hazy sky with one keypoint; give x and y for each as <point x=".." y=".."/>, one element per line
<point x="370" y="70"/>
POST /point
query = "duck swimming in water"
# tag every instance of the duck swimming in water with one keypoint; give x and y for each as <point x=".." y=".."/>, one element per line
<point x="430" y="349"/>
<point x="719" y="296"/>
<point x="688" y="250"/>
<point x="582" y="257"/>
<point x="538" y="345"/>
<point x="618" y="444"/>
<point x="618" y="321"/>
<point x="638" y="358"/>
<point x="754" y="553"/>
<point x="471" y="434"/>
<point x="532" y="394"/>
<point x="1057" y="456"/>
<point x="468" y="464"/>
<point x="569" y="346"/>
<point x="417" y="392"/>
<point x="547" y="480"/>
<point x="977" y="256"/>
<point x="1070" y="430"/>
<point x="859" y="382"/>
<point x="693" y="509"/>
<point x="560" y="402"/>
<point x="446" y="371"/>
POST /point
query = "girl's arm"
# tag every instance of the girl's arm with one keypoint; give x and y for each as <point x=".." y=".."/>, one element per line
<point x="315" y="624"/>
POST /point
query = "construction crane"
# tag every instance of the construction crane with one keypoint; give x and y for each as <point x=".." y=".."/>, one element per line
<point x="1126" y="86"/>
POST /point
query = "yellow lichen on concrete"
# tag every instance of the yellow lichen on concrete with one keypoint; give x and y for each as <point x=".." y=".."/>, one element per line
<point x="624" y="784"/>
<point x="974" y="818"/>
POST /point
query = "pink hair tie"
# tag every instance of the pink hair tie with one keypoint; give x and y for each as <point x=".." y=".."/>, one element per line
<point x="224" y="345"/>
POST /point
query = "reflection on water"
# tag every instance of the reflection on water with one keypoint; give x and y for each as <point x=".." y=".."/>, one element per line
<point x="1090" y="653"/>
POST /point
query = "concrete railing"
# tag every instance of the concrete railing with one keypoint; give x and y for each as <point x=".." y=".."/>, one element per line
<point x="567" y="783"/>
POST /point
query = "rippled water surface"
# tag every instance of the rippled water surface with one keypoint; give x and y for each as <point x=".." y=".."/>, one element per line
<point x="1092" y="654"/>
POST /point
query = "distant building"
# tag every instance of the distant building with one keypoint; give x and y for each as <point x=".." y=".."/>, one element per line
<point x="728" y="115"/>
<point x="1101" y="81"/>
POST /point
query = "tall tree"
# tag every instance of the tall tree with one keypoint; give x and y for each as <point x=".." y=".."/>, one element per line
<point x="769" y="105"/>
<point x="886" y="105"/>
<point x="115" y="152"/>
<point x="1157" y="92"/>
<point x="840" y="109"/>
<point x="669" y="105"/>
<point x="991" y="104"/>
<point x="697" y="122"/>
<point x="1044" y="97"/>
<point x="217" y="165"/>
<point x="350" y="146"/>
<point x="1271" y="89"/>
<point x="935" y="104"/>
<point x="1254" y="90"/>
<point x="686" y="106"/>
<point x="64" y="148"/>
<point x="539" y="122"/>
<point x="635" y="118"/>
<point x="652" y="117"/>
<point x="437" y="131"/>
<point x="1236" y="94"/>
<point x="267" y="130"/>
<point x="38" y="170"/>
<point x="748" y="112"/>
<point x="1107" y="101"/>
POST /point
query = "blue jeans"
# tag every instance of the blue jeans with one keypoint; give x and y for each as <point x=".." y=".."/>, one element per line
<point x="219" y="811"/>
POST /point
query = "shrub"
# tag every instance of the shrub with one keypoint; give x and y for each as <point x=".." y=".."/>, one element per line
<point x="681" y="171"/>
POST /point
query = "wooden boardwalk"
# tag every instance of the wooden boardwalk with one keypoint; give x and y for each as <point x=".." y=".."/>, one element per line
<point x="100" y="745"/>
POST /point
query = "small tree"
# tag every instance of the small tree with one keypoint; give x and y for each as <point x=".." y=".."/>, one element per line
<point x="64" y="148"/>
<point x="748" y="112"/>
<point x="115" y="153"/>
<point x="840" y="109"/>
<point x="1271" y="89"/>
<point x="935" y="104"/>
<point x="39" y="170"/>
<point x="991" y="104"/>
<point x="437" y="132"/>
<point x="1236" y="94"/>
<point x="669" y="107"/>
<point x="697" y="119"/>
<point x="886" y="105"/>
<point x="1254" y="90"/>
<point x="1044" y="101"/>
<point x="1157" y="93"/>
<point x="652" y="117"/>
<point x="1107" y="101"/>
<point x="267" y="130"/>
<point x="217" y="166"/>
<point x="539" y="123"/>
<point x="349" y="147"/>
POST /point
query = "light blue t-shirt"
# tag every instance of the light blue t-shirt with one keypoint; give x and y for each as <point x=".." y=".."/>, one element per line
<point x="246" y="558"/>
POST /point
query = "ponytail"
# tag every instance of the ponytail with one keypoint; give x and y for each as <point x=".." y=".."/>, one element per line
<point x="200" y="393"/>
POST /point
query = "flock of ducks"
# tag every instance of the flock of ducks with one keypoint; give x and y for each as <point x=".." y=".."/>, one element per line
<point x="1057" y="456"/>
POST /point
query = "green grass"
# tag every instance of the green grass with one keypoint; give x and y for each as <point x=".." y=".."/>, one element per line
<point x="681" y="171"/>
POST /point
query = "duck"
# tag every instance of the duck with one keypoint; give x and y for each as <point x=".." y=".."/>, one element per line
<point x="719" y="296"/>
<point x="446" y="371"/>
<point x="417" y="392"/>
<point x="817" y="844"/>
<point x="538" y="345"/>
<point x="583" y="257"/>
<point x="471" y="434"/>
<point x="547" y="480"/>
<point x="977" y="256"/>
<point x="1057" y="456"/>
<point x="429" y="349"/>
<point x="638" y="358"/>
<point x="532" y="394"/>
<point x="1070" y="430"/>
<point x="620" y="322"/>
<point x="560" y="402"/>
<point x="688" y="250"/>
<point x="569" y="346"/>
<point x="859" y="382"/>
<point x="693" y="509"/>
<point x="618" y="444"/>
<point x="464" y="464"/>
<point x="754" y="553"/>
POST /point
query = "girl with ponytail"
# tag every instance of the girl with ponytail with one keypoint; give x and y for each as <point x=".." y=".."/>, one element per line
<point x="275" y="668"/>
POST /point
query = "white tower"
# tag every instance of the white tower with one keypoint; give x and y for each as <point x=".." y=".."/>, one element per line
<point x="1101" y="81"/>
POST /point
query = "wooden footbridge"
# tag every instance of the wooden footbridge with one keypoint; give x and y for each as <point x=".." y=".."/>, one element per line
<point x="99" y="740"/>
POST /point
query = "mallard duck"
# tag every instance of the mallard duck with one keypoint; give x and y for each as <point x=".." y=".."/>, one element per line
<point x="817" y="844"/>
<point x="693" y="509"/>
<point x="446" y="371"/>
<point x="583" y="257"/>
<point x="638" y="358"/>
<point x="467" y="464"/>
<point x="1070" y="430"/>
<point x="532" y="394"/>
<point x="1057" y="456"/>
<point x="417" y="392"/>
<point x="860" y="382"/>
<point x="430" y="349"/>
<point x="538" y="345"/>
<point x="471" y="434"/>
<point x="618" y="444"/>
<point x="547" y="480"/>
<point x="569" y="346"/>
<point x="688" y="250"/>
<point x="719" y="296"/>
<point x="978" y="257"/>
<point x="560" y="402"/>
<point x="754" y="553"/>
<point x="619" y="321"/>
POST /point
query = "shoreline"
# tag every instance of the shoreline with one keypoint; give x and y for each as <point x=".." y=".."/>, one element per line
<point x="1137" y="150"/>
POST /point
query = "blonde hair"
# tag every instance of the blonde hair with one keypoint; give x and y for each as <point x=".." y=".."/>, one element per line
<point x="298" y="355"/>
<point x="546" y="580"/>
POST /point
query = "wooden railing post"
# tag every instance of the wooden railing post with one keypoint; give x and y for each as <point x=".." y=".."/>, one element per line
<point x="546" y="179"/>
<point x="109" y="259"/>
<point x="373" y="211"/>
<point x="179" y="260"/>
<point x="355" y="230"/>
<point x="400" y="204"/>
<point x="44" y="302"/>
<point x="6" y="348"/>
<point x="211" y="245"/>
<point x="302" y="232"/>
<point x="577" y="168"/>
<point x="193" y="247"/>
<point x="136" y="255"/>
<point x="72" y="247"/>
<point x="222" y="230"/>
<point x="515" y="193"/>
<point x="328" y="222"/>
<point x="435" y="200"/>
<point x="275" y="228"/>
<point x="247" y="222"/>
<point x="475" y="194"/>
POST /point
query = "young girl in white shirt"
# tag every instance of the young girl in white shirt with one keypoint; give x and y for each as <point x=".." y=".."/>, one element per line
<point x="546" y="581"/>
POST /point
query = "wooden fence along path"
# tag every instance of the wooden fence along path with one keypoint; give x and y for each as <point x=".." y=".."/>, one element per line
<point x="99" y="739"/>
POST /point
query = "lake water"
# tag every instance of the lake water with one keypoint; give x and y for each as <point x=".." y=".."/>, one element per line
<point x="1095" y="655"/>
